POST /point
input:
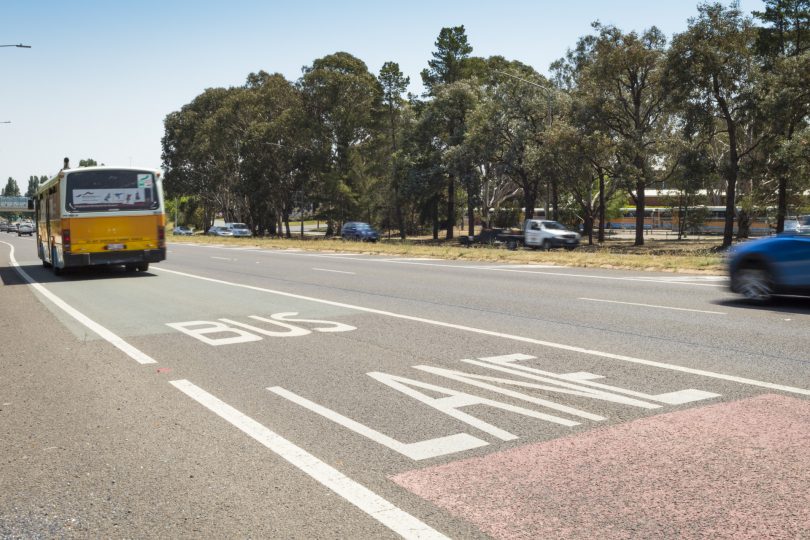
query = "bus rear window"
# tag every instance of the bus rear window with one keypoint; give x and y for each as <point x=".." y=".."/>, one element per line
<point x="111" y="190"/>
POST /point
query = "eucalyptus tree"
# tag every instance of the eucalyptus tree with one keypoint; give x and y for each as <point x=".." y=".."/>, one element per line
<point x="424" y="179"/>
<point x="519" y="107"/>
<point x="578" y="158"/>
<point x="619" y="77"/>
<point x="716" y="80"/>
<point x="784" y="44"/>
<point x="345" y="101"/>
<point x="188" y="153"/>
<point x="280" y="153"/>
<point x="446" y="118"/>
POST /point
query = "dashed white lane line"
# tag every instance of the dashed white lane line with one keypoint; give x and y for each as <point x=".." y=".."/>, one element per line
<point x="538" y="269"/>
<point x="334" y="271"/>
<point x="363" y="498"/>
<point x="223" y="259"/>
<point x="550" y="344"/>
<point x="93" y="326"/>
<point x="653" y="306"/>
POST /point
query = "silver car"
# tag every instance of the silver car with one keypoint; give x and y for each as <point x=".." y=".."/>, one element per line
<point x="220" y="231"/>
<point x="25" y="228"/>
<point x="238" y="229"/>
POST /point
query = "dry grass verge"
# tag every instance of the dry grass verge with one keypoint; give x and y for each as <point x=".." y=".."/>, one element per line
<point x="658" y="255"/>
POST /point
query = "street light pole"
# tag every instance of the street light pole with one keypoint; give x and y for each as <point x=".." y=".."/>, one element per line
<point x="19" y="46"/>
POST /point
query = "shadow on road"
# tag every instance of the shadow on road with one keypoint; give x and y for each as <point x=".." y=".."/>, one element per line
<point x="38" y="273"/>
<point x="798" y="305"/>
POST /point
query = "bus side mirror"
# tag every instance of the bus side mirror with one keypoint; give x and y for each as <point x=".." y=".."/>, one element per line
<point x="30" y="204"/>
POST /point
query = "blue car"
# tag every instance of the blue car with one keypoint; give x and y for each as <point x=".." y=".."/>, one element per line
<point x="775" y="265"/>
<point x="357" y="230"/>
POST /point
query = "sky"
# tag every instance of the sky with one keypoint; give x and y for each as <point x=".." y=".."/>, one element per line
<point x="101" y="76"/>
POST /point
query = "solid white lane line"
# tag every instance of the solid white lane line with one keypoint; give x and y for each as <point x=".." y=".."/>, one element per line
<point x="550" y="344"/>
<point x="653" y="306"/>
<point x="107" y="335"/>
<point x="360" y="496"/>
<point x="223" y="258"/>
<point x="334" y="271"/>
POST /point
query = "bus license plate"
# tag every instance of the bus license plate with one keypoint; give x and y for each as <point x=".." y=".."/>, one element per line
<point x="113" y="247"/>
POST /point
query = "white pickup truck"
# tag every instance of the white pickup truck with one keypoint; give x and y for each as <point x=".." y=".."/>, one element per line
<point x="543" y="234"/>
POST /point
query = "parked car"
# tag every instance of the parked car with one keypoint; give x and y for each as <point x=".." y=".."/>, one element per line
<point x="238" y="229"/>
<point x="357" y="230"/>
<point x="220" y="231"/>
<point x="780" y="264"/>
<point x="182" y="231"/>
<point x="803" y="224"/>
<point x="25" y="228"/>
<point x="536" y="233"/>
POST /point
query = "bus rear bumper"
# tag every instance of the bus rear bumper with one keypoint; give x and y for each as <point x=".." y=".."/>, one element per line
<point x="114" y="257"/>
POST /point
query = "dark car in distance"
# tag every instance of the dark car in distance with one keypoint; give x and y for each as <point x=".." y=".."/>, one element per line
<point x="780" y="264"/>
<point x="360" y="231"/>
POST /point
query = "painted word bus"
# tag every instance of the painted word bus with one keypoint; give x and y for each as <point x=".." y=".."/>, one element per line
<point x="101" y="216"/>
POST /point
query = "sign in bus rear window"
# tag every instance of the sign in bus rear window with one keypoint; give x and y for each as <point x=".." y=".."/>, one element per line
<point x="111" y="190"/>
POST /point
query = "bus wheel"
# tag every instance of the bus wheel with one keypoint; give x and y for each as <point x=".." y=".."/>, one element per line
<point x="143" y="267"/>
<point x="131" y="267"/>
<point x="57" y="271"/>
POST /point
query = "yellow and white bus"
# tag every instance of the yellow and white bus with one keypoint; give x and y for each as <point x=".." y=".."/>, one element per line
<point x="101" y="216"/>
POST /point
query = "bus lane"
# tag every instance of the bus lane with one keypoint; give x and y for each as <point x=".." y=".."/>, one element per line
<point x="381" y="394"/>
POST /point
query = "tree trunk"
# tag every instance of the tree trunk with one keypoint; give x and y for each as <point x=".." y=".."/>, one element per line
<point x="529" y="200"/>
<point x="781" y="205"/>
<point x="640" y="209"/>
<point x="589" y="226"/>
<point x="555" y="201"/>
<point x="435" y="216"/>
<point x="451" y="206"/>
<point x="601" y="205"/>
<point x="470" y="214"/>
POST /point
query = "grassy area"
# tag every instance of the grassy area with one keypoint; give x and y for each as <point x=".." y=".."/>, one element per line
<point x="666" y="255"/>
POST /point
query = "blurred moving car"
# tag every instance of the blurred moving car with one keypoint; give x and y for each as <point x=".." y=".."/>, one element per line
<point x="220" y="231"/>
<point x="182" y="231"/>
<point x="360" y="231"/>
<point x="239" y="229"/>
<point x="780" y="264"/>
<point x="25" y="228"/>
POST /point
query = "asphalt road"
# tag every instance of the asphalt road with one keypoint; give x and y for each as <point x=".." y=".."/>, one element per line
<point x="254" y="393"/>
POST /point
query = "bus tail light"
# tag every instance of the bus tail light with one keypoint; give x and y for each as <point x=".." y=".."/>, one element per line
<point x="161" y="236"/>
<point x="66" y="240"/>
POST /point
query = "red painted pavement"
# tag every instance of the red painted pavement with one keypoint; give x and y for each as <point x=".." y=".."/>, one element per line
<point x="732" y="470"/>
